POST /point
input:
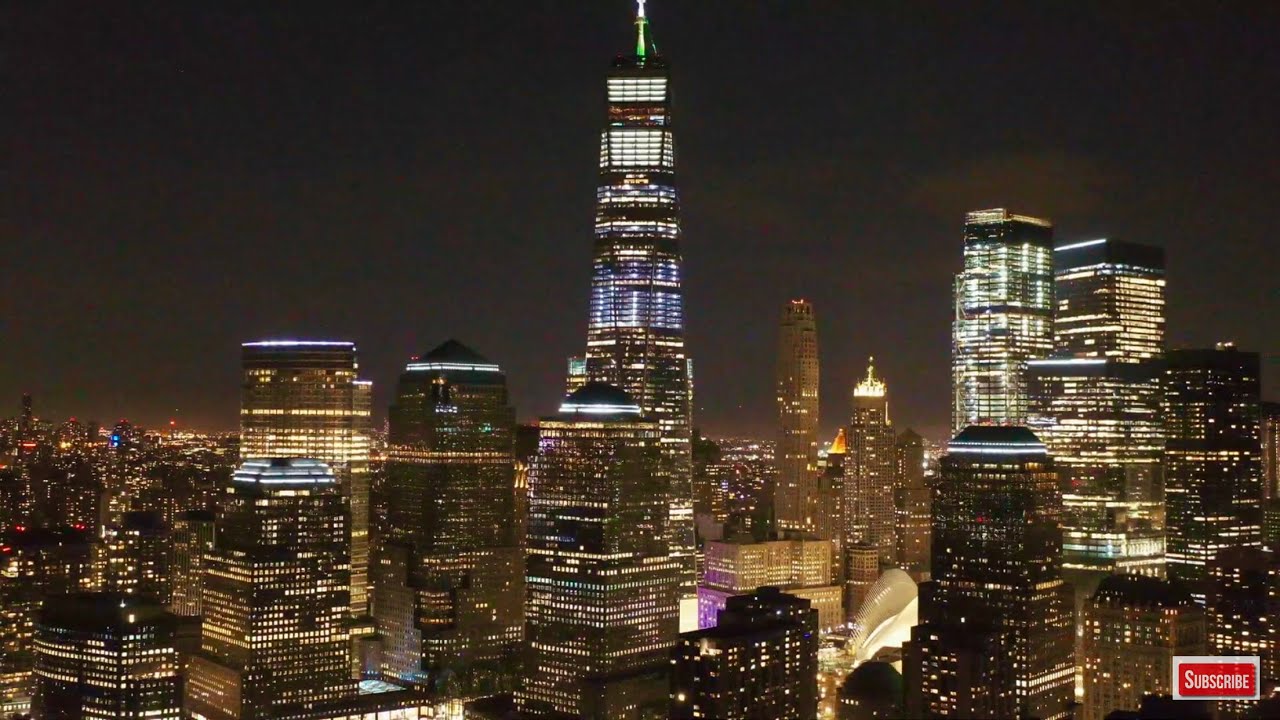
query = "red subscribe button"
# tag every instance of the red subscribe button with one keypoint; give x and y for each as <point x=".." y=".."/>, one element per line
<point x="1215" y="678"/>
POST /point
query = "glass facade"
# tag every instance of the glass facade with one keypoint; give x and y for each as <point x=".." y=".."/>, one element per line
<point x="797" y="504"/>
<point x="601" y="607"/>
<point x="448" y="566"/>
<point x="1003" y="316"/>
<point x="1096" y="404"/>
<point x="635" y="333"/>
<point x="304" y="398"/>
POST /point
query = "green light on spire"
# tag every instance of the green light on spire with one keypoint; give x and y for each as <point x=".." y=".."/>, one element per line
<point x="641" y="21"/>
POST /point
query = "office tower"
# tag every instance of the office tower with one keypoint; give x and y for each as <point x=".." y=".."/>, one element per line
<point x="1003" y="316"/>
<point x="134" y="557"/>
<point x="1096" y="405"/>
<point x="107" y="655"/>
<point x="1270" y="428"/>
<point x="303" y="398"/>
<point x="799" y="567"/>
<point x="1271" y="524"/>
<point x="871" y="468"/>
<point x="873" y="691"/>
<point x="996" y="584"/>
<point x="449" y="569"/>
<point x="795" y="501"/>
<point x="1243" y="608"/>
<point x="577" y="375"/>
<point x="760" y="662"/>
<point x="912" y="503"/>
<point x="861" y="570"/>
<point x="278" y="574"/>
<point x="602" y="590"/>
<point x="1213" y="474"/>
<point x="635" y="332"/>
<point x="193" y="535"/>
<point x="35" y="564"/>
<point x="1134" y="625"/>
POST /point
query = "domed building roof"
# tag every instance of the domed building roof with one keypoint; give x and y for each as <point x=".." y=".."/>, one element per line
<point x="454" y="352"/>
<point x="997" y="439"/>
<point x="600" y="401"/>
<point x="874" y="681"/>
<point x="887" y="615"/>
<point x="455" y="360"/>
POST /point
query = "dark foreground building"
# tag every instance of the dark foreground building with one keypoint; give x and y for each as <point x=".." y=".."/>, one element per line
<point x="760" y="662"/>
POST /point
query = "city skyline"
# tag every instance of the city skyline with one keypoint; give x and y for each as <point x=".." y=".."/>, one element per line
<point x="155" y="114"/>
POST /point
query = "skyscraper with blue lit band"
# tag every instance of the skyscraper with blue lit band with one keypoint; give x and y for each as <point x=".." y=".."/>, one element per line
<point x="635" y="335"/>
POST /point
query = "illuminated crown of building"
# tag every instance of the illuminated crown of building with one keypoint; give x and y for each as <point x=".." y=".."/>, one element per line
<point x="871" y="386"/>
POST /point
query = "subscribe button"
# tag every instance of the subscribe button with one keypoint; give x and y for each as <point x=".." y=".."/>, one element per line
<point x="1215" y="678"/>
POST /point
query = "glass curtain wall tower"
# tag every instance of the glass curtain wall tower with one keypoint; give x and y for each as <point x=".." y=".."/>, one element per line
<point x="1096" y="404"/>
<point x="796" y="501"/>
<point x="304" y="398"/>
<point x="1003" y="316"/>
<point x="635" y="333"/>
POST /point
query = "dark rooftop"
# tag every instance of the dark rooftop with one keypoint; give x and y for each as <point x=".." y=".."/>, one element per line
<point x="873" y="680"/>
<point x="1142" y="590"/>
<point x="452" y="351"/>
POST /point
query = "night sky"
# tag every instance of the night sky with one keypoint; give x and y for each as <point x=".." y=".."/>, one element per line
<point x="177" y="180"/>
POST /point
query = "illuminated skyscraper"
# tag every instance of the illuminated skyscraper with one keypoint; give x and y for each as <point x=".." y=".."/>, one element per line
<point x="800" y="567"/>
<point x="1003" y="316"/>
<point x="1213" y="470"/>
<point x="1096" y="404"/>
<point x="602" y="611"/>
<point x="759" y="661"/>
<point x="449" y="569"/>
<point x="635" y="334"/>
<point x="133" y="557"/>
<point x="996" y="585"/>
<point x="276" y="596"/>
<point x="303" y="398"/>
<point x="870" y="468"/>
<point x="796" y="501"/>
<point x="1243" y="607"/>
<point x="105" y="655"/>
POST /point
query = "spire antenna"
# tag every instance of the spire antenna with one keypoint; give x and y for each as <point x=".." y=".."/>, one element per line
<point x="641" y="22"/>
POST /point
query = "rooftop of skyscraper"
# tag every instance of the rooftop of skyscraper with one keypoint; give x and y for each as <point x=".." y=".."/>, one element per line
<point x="600" y="401"/>
<point x="281" y="472"/>
<point x="1142" y="590"/>
<point x="997" y="439"/>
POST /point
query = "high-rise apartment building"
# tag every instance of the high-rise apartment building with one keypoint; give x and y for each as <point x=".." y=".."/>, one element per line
<point x="304" y="398"/>
<point x="1134" y="625"/>
<point x="635" y="332"/>
<point x="799" y="567"/>
<point x="1003" y="316"/>
<point x="996" y="583"/>
<point x="912" y="501"/>
<point x="1212" y="458"/>
<point x="1096" y="404"/>
<point x="449" y="568"/>
<point x="602" y="591"/>
<point x="193" y="534"/>
<point x="870" y="469"/>
<point x="107" y="655"/>
<point x="276" y="596"/>
<point x="796" y="501"/>
<point x="759" y="661"/>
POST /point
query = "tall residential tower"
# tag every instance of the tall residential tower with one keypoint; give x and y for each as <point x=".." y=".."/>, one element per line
<point x="635" y="332"/>
<point x="796" y="501"/>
